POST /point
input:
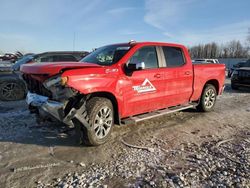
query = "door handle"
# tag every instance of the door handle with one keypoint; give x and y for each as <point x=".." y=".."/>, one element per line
<point x="157" y="75"/>
<point x="187" y="73"/>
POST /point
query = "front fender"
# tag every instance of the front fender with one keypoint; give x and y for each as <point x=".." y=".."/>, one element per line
<point x="95" y="81"/>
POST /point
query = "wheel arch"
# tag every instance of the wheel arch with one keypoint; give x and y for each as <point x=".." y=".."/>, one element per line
<point x="114" y="101"/>
<point x="213" y="82"/>
<point x="201" y="106"/>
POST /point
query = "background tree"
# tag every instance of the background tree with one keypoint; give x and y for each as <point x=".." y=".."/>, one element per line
<point x="232" y="49"/>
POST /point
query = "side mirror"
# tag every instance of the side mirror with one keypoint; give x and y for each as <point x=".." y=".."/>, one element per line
<point x="136" y="66"/>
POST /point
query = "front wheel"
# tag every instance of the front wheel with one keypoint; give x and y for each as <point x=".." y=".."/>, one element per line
<point x="100" y="116"/>
<point x="208" y="99"/>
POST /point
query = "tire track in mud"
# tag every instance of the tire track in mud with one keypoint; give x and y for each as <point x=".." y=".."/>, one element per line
<point x="146" y="132"/>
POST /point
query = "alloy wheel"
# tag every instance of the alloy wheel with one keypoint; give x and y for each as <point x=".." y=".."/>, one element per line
<point x="103" y="122"/>
<point x="10" y="91"/>
<point x="210" y="97"/>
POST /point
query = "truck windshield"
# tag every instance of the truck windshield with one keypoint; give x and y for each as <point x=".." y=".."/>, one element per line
<point x="107" y="55"/>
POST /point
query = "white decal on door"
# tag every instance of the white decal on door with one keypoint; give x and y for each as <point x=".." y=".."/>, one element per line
<point x="145" y="87"/>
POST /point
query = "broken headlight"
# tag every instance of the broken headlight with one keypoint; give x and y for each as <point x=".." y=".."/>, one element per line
<point x="55" y="81"/>
<point x="64" y="80"/>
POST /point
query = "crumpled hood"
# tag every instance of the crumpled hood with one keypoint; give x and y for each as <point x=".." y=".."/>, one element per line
<point x="54" y="68"/>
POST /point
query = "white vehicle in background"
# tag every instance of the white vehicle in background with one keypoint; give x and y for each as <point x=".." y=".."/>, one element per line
<point x="215" y="61"/>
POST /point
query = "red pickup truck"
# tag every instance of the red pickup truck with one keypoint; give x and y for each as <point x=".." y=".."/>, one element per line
<point x="121" y="84"/>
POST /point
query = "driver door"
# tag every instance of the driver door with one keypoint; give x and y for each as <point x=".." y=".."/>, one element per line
<point x="146" y="88"/>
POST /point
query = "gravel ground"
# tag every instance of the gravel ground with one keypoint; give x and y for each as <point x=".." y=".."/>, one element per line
<point x="184" y="149"/>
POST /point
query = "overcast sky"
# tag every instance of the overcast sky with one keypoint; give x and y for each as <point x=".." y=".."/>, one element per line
<point x="44" y="25"/>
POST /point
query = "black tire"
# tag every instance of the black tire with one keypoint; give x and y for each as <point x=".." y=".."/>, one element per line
<point x="208" y="98"/>
<point x="234" y="87"/>
<point x="12" y="89"/>
<point x="90" y="136"/>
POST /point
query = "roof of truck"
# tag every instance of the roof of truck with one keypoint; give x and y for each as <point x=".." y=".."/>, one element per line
<point x="147" y="43"/>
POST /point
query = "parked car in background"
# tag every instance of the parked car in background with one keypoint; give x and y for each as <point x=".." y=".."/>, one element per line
<point x="215" y="61"/>
<point x="13" y="88"/>
<point x="236" y="66"/>
<point x="5" y="66"/>
<point x="63" y="56"/>
<point x="25" y="59"/>
<point x="11" y="57"/>
<point x="8" y="57"/>
<point x="60" y="56"/>
<point x="241" y="76"/>
<point x="121" y="83"/>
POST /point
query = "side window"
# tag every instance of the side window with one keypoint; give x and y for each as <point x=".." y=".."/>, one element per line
<point x="173" y="56"/>
<point x="56" y="58"/>
<point x="147" y="55"/>
<point x="46" y="59"/>
<point x="66" y="58"/>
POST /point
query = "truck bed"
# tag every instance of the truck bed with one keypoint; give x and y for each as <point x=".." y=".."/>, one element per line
<point x="204" y="72"/>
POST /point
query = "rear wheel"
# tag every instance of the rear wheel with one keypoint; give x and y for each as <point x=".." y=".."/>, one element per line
<point x="208" y="99"/>
<point x="11" y="89"/>
<point x="100" y="116"/>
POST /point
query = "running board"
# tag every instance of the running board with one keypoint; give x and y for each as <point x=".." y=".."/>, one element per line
<point x="142" y="117"/>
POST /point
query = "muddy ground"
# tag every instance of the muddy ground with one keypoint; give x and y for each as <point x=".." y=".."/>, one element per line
<point x="185" y="149"/>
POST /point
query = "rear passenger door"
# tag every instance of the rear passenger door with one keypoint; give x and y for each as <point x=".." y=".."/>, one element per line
<point x="178" y="75"/>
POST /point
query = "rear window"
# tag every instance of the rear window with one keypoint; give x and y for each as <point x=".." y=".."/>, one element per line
<point x="173" y="56"/>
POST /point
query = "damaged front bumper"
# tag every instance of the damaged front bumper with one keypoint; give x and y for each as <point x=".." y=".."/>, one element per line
<point x="43" y="105"/>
